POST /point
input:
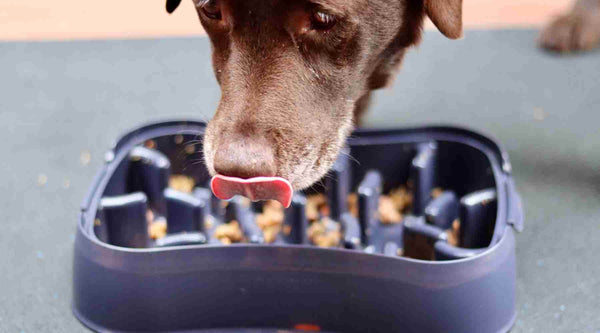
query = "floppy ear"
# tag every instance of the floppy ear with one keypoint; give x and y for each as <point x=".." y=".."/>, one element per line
<point x="446" y="15"/>
<point x="172" y="5"/>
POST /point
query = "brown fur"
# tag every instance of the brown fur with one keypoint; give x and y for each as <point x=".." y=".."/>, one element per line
<point x="578" y="29"/>
<point x="290" y="95"/>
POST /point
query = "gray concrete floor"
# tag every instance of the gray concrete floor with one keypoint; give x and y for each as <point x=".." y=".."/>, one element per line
<point x="63" y="100"/>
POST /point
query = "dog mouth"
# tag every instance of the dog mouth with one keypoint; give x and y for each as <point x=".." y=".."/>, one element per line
<point x="255" y="189"/>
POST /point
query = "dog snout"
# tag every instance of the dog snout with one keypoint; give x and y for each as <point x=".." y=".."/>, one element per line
<point x="245" y="157"/>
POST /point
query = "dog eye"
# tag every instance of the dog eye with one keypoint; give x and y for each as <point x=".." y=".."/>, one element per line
<point x="322" y="21"/>
<point x="210" y="8"/>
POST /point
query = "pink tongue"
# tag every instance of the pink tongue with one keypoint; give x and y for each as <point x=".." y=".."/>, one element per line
<point x="258" y="188"/>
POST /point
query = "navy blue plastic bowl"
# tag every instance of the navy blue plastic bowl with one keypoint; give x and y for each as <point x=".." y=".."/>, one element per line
<point x="188" y="281"/>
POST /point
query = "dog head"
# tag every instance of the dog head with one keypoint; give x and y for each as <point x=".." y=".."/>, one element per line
<point x="293" y="74"/>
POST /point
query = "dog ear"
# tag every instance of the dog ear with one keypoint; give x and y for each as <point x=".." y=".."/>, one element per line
<point x="446" y="15"/>
<point x="172" y="5"/>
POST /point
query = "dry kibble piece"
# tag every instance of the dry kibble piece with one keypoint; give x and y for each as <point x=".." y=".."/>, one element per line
<point x="179" y="139"/>
<point x="312" y="213"/>
<point x="325" y="233"/>
<point x="436" y="192"/>
<point x="353" y="204"/>
<point x="316" y="228"/>
<point x="388" y="212"/>
<point x="453" y="233"/>
<point x="272" y="214"/>
<point x="402" y="199"/>
<point x="209" y="222"/>
<point x="190" y="149"/>
<point x="271" y="220"/>
<point x="151" y="144"/>
<point x="270" y="233"/>
<point x="324" y="210"/>
<point x="287" y="230"/>
<point x="158" y="229"/>
<point x="182" y="183"/>
<point x="315" y="205"/>
<point x="229" y="233"/>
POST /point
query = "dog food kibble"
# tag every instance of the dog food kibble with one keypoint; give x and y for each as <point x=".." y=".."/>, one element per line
<point x="316" y="206"/>
<point x="179" y="139"/>
<point x="353" y="204"/>
<point x="325" y="233"/>
<point x="287" y="230"/>
<point x="271" y="220"/>
<point x="209" y="222"/>
<point x="270" y="234"/>
<point x="158" y="229"/>
<point x="190" y="149"/>
<point x="453" y="233"/>
<point x="394" y="206"/>
<point x="182" y="183"/>
<point x="388" y="212"/>
<point x="229" y="233"/>
<point x="150" y="144"/>
<point x="436" y="192"/>
<point x="402" y="199"/>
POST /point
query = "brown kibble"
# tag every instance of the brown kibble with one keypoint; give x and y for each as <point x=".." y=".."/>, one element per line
<point x="150" y="144"/>
<point x="190" y="149"/>
<point x="271" y="220"/>
<point x="402" y="199"/>
<point x="324" y="210"/>
<point x="436" y="192"/>
<point x="182" y="183"/>
<point x="270" y="233"/>
<point x="312" y="213"/>
<point x="325" y="233"/>
<point x="208" y="222"/>
<point x="353" y="204"/>
<point x="158" y="229"/>
<point x="179" y="139"/>
<point x="315" y="205"/>
<point x="388" y="212"/>
<point x="229" y="233"/>
<point x="453" y="233"/>
<point x="287" y="230"/>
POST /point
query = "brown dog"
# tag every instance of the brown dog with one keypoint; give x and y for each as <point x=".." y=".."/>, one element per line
<point x="295" y="76"/>
<point x="579" y="29"/>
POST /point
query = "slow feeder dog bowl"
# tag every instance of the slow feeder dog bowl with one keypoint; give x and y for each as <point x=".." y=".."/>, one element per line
<point x="407" y="276"/>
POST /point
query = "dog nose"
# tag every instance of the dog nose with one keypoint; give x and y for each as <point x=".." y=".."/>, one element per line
<point x="245" y="157"/>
